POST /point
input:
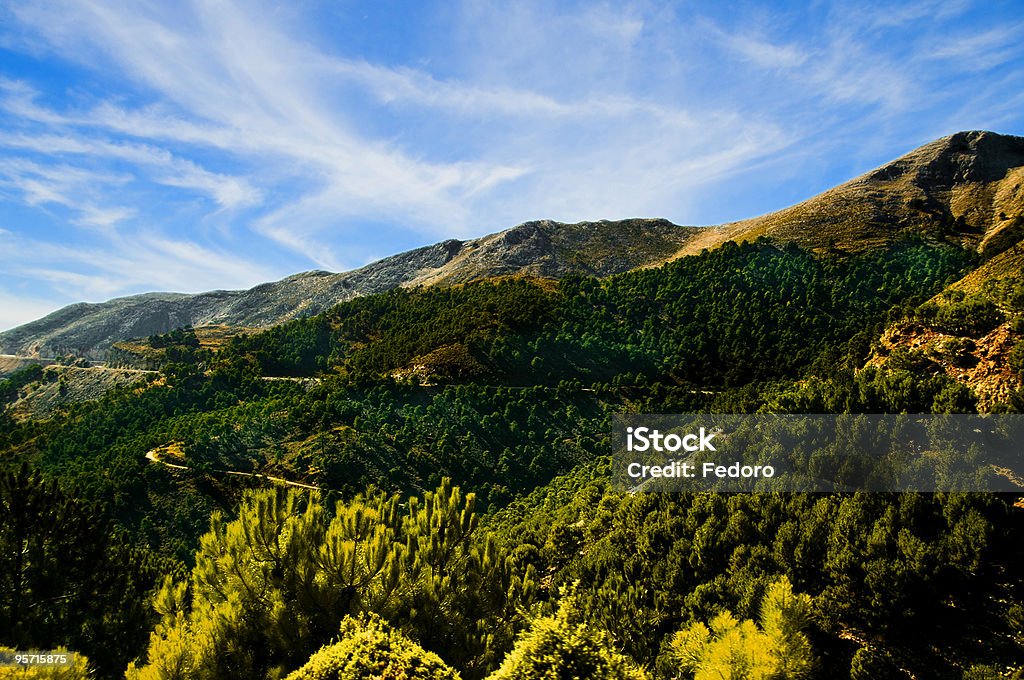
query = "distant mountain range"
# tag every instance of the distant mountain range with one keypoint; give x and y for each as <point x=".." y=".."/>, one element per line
<point x="967" y="188"/>
<point x="540" y="249"/>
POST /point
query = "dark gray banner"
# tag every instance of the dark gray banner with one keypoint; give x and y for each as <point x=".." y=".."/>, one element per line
<point x="818" y="453"/>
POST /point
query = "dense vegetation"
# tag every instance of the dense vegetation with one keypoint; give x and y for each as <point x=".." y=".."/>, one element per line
<point x="458" y="437"/>
<point x="880" y="568"/>
<point x="739" y="314"/>
<point x="67" y="577"/>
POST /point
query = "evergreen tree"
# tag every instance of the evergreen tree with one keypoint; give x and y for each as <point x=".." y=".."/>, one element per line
<point x="269" y="587"/>
<point x="777" y="649"/>
<point x="871" y="663"/>
<point x="370" y="649"/>
<point x="562" y="647"/>
<point x="66" y="578"/>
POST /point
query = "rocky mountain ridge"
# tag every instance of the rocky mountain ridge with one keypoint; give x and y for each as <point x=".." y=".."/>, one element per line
<point x="541" y="249"/>
<point x="967" y="188"/>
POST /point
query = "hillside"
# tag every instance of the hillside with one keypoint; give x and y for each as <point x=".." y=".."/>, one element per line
<point x="968" y="332"/>
<point x="64" y="385"/>
<point x="9" y="364"/>
<point x="967" y="188"/>
<point x="541" y="249"/>
<point x="495" y="397"/>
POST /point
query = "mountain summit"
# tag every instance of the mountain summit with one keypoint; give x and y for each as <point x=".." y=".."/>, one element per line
<point x="968" y="186"/>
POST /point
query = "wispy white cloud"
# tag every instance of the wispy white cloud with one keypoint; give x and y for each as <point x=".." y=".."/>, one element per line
<point x="979" y="51"/>
<point x="758" y="50"/>
<point x="869" y="55"/>
<point x="62" y="185"/>
<point x="114" y="265"/>
<point x="890" y="14"/>
<point x="246" y="118"/>
<point x="246" y="78"/>
<point x="104" y="218"/>
<point x="164" y="168"/>
<point x="252" y="90"/>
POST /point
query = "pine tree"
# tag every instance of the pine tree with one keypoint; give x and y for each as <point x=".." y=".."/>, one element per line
<point x="871" y="663"/>
<point x="370" y="649"/>
<point x="561" y="647"/>
<point x="776" y="649"/>
<point x="269" y="587"/>
<point x="65" y="577"/>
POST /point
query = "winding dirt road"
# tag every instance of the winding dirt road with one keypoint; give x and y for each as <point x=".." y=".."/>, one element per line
<point x="152" y="457"/>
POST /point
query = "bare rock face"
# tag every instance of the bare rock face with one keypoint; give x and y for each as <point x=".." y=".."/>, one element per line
<point x="83" y="326"/>
<point x="967" y="157"/>
<point x="543" y="249"/>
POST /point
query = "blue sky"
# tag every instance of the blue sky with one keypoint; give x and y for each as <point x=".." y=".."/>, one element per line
<point x="212" y="144"/>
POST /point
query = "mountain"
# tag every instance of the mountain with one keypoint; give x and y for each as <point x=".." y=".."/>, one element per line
<point x="968" y="187"/>
<point x="540" y="249"/>
<point x="462" y="436"/>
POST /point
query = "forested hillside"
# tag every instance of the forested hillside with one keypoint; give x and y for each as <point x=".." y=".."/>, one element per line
<point x="463" y="523"/>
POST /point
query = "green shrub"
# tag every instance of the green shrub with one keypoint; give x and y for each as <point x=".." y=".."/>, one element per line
<point x="982" y="673"/>
<point x="369" y="648"/>
<point x="1008" y="292"/>
<point x="973" y="316"/>
<point x="956" y="350"/>
<point x="559" y="647"/>
<point x="1016" y="359"/>
<point x="954" y="397"/>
